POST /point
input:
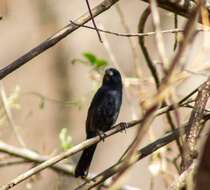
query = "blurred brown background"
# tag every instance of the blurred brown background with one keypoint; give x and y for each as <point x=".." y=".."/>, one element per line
<point x="27" y="23"/>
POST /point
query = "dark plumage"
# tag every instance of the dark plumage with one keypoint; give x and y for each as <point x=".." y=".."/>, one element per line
<point x="102" y="114"/>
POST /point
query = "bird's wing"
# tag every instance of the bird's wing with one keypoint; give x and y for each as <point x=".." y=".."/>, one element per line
<point x="103" y="110"/>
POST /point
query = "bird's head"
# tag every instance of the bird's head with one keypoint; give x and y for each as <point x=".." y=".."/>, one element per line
<point x="112" y="77"/>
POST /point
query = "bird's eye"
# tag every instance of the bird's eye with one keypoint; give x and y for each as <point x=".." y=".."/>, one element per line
<point x="110" y="73"/>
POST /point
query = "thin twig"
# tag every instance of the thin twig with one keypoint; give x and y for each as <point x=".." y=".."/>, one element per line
<point x="141" y="26"/>
<point x="9" y="115"/>
<point x="93" y="21"/>
<point x="176" y="34"/>
<point x="166" y="139"/>
<point x="152" y="105"/>
<point x="12" y="162"/>
<point x="83" y="145"/>
<point x="29" y="155"/>
<point x="158" y="35"/>
<point x="58" y="36"/>
<point x="63" y="155"/>
<point x="139" y="155"/>
<point x="114" y="61"/>
<point x="139" y="34"/>
<point x="134" y="50"/>
<point x="151" y="66"/>
<point x="184" y="9"/>
<point x="75" y="149"/>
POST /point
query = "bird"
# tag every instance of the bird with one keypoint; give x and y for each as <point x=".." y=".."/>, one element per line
<point x="102" y="114"/>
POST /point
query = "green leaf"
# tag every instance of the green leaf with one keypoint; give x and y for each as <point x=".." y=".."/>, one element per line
<point x="65" y="139"/>
<point x="98" y="63"/>
<point x="90" y="57"/>
<point x="101" y="63"/>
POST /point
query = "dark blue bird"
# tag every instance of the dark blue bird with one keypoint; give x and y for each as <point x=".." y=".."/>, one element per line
<point x="102" y="114"/>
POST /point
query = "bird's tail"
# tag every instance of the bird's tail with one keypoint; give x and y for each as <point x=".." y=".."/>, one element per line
<point x="84" y="161"/>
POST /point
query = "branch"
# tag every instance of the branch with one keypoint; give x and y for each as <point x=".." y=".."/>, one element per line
<point x="139" y="34"/>
<point x="51" y="41"/>
<point x="29" y="155"/>
<point x="64" y="155"/>
<point x="203" y="171"/>
<point x="158" y="36"/>
<point x="151" y="66"/>
<point x="181" y="180"/>
<point x="81" y="146"/>
<point x="183" y="8"/>
<point x="194" y="127"/>
<point x="70" y="152"/>
<point x="142" y="153"/>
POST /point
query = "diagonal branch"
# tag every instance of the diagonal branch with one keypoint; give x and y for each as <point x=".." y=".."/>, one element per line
<point x="184" y="9"/>
<point x="194" y="124"/>
<point x="142" y="153"/>
<point x="137" y="156"/>
<point x="51" y="41"/>
<point x="79" y="147"/>
<point x="202" y="174"/>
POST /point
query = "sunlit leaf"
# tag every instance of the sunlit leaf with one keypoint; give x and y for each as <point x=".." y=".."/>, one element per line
<point x="90" y="57"/>
<point x="65" y="139"/>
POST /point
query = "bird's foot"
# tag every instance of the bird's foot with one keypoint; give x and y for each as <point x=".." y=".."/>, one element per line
<point x="101" y="134"/>
<point x="123" y="126"/>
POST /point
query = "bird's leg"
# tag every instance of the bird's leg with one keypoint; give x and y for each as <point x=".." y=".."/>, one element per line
<point x="123" y="126"/>
<point x="101" y="134"/>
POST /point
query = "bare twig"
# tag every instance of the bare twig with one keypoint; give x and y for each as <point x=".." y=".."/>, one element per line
<point x="82" y="146"/>
<point x="29" y="155"/>
<point x="141" y="26"/>
<point x="9" y="115"/>
<point x="93" y="21"/>
<point x="12" y="162"/>
<point x="188" y="37"/>
<point x="169" y="137"/>
<point x="51" y="41"/>
<point x="152" y="105"/>
<point x="63" y="155"/>
<point x="151" y="65"/>
<point x="176" y="34"/>
<point x="139" y="34"/>
<point x="166" y="139"/>
<point x="158" y="35"/>
<point x="130" y="156"/>
<point x="134" y="50"/>
<point x="114" y="61"/>
<point x="184" y="9"/>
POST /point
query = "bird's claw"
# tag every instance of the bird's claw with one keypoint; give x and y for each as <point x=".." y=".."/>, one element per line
<point x="123" y="126"/>
<point x="102" y="135"/>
